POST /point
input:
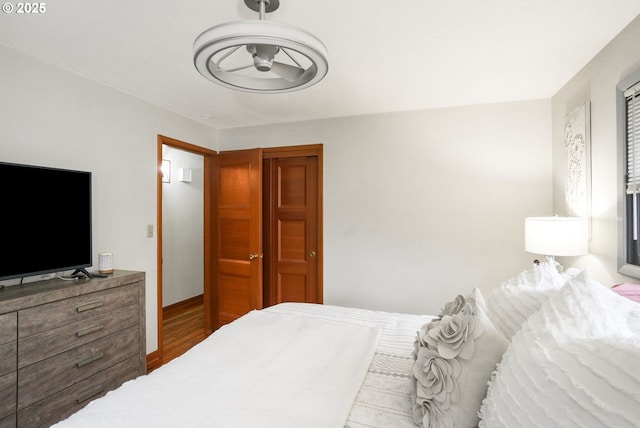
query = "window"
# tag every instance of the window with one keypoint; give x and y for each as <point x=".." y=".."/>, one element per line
<point x="629" y="136"/>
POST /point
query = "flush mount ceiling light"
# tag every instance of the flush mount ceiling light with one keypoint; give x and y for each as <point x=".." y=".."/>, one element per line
<point x="260" y="56"/>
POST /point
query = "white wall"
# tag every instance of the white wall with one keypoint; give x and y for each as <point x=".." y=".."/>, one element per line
<point x="182" y="229"/>
<point x="596" y="83"/>
<point x="52" y="117"/>
<point x="421" y="206"/>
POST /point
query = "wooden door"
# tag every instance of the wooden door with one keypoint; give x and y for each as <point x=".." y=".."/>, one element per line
<point x="237" y="203"/>
<point x="291" y="268"/>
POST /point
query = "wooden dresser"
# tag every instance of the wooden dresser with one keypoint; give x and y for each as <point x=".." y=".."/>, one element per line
<point x="64" y="343"/>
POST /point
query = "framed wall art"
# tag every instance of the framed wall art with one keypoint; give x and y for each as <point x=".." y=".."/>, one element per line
<point x="577" y="141"/>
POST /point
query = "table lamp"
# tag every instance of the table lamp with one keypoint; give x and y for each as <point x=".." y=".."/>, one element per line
<point x="556" y="236"/>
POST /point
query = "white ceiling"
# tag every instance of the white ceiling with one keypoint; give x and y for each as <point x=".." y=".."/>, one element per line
<point x="384" y="55"/>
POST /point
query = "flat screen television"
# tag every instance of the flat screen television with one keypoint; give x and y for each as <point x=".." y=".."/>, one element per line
<point x="45" y="220"/>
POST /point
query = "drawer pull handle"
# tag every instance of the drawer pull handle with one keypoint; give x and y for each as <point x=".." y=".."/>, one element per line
<point x="90" y="360"/>
<point x="89" y="306"/>
<point x="89" y="330"/>
<point x="89" y="393"/>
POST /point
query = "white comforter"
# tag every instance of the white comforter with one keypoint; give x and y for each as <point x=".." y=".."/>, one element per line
<point x="263" y="370"/>
<point x="250" y="374"/>
<point x="384" y="400"/>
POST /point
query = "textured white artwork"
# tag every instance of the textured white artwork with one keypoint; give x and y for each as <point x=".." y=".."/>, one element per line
<point x="577" y="143"/>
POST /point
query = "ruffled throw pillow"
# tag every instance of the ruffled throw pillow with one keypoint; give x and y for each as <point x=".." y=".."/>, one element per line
<point x="574" y="364"/>
<point x="509" y="305"/>
<point x="454" y="357"/>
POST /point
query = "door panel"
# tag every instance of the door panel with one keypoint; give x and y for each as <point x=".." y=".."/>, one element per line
<point x="293" y="288"/>
<point x="238" y="221"/>
<point x="234" y="238"/>
<point x="293" y="258"/>
<point x="292" y="240"/>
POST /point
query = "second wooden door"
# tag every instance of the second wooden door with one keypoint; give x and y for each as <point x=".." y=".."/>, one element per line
<point x="290" y="213"/>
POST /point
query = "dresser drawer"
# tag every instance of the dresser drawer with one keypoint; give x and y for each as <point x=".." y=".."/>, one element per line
<point x="52" y="342"/>
<point x="51" y="315"/>
<point x="49" y="376"/>
<point x="70" y="400"/>
<point x="8" y="327"/>
<point x="8" y="357"/>
<point x="8" y="422"/>
<point x="7" y="394"/>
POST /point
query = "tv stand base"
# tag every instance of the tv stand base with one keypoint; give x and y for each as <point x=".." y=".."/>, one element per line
<point x="83" y="271"/>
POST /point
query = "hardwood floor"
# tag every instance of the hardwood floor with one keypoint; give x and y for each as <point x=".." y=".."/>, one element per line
<point x="182" y="327"/>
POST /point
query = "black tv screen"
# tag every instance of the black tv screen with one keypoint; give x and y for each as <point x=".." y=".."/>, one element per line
<point x="45" y="220"/>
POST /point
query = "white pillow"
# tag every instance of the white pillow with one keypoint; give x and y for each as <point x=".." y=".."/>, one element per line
<point x="575" y="363"/>
<point x="455" y="356"/>
<point x="517" y="299"/>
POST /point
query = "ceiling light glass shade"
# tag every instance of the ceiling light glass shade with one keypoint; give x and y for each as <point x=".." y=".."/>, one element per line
<point x="220" y="53"/>
<point x="556" y="236"/>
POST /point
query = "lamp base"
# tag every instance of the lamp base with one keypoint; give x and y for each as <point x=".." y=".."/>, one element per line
<point x="552" y="260"/>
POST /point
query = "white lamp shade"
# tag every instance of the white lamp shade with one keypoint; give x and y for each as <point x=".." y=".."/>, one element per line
<point x="556" y="236"/>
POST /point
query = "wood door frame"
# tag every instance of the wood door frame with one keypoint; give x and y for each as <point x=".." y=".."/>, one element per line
<point x="299" y="151"/>
<point x="208" y="155"/>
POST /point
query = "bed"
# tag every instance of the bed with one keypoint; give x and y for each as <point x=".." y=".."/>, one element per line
<point x="543" y="349"/>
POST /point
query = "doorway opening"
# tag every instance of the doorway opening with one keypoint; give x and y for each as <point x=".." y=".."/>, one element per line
<point x="184" y="247"/>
